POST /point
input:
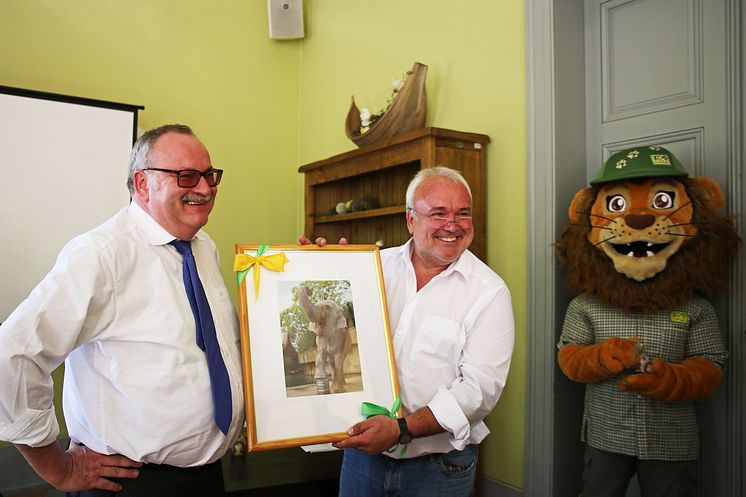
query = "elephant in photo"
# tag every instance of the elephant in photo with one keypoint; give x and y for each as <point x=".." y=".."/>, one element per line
<point x="333" y="342"/>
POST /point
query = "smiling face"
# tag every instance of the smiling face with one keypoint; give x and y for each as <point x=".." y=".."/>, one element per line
<point x="438" y="243"/>
<point x="180" y="211"/>
<point x="639" y="225"/>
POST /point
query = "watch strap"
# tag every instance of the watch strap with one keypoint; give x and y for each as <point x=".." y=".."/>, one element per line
<point x="405" y="436"/>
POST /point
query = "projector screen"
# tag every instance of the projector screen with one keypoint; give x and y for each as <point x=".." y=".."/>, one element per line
<point x="63" y="164"/>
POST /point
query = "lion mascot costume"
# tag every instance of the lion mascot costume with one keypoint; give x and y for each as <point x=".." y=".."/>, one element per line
<point x="644" y="247"/>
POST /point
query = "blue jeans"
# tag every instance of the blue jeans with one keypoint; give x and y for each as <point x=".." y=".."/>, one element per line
<point x="435" y="475"/>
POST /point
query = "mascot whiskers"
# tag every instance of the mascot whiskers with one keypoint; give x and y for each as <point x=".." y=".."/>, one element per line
<point x="643" y="250"/>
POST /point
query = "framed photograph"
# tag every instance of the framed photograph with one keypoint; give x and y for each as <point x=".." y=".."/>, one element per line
<point x="315" y="341"/>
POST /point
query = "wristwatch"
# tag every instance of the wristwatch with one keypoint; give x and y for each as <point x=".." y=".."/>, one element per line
<point x="405" y="436"/>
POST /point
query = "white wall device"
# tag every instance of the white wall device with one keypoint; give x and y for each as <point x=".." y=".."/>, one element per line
<point x="285" y="19"/>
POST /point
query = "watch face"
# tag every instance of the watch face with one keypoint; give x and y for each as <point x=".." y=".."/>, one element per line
<point x="405" y="438"/>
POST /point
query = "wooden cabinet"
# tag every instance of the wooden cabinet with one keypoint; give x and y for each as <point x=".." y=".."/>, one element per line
<point x="382" y="172"/>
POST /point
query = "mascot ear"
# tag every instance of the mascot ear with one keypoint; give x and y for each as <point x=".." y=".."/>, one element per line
<point x="709" y="193"/>
<point x="581" y="205"/>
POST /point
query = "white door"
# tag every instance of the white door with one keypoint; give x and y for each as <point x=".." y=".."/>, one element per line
<point x="656" y="73"/>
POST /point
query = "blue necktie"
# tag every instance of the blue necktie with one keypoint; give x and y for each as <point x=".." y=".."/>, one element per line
<point x="206" y="338"/>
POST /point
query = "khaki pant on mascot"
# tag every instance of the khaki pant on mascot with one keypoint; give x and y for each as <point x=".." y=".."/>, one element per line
<point x="643" y="250"/>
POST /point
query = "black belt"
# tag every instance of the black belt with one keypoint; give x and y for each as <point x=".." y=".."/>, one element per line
<point x="183" y="469"/>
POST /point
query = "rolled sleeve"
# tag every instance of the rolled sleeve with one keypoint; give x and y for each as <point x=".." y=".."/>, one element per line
<point x="450" y="417"/>
<point x="34" y="428"/>
<point x="483" y="368"/>
<point x="38" y="336"/>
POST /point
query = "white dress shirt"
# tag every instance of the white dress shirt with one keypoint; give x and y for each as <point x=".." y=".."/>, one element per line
<point x="115" y="309"/>
<point x="453" y="341"/>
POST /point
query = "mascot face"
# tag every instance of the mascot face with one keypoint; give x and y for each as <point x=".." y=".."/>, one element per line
<point x="640" y="224"/>
<point x="646" y="237"/>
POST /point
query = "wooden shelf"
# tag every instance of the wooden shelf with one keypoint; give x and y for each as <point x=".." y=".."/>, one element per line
<point x="383" y="171"/>
<point x="349" y="216"/>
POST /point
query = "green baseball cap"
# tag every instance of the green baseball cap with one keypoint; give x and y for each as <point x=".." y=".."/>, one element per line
<point x="639" y="162"/>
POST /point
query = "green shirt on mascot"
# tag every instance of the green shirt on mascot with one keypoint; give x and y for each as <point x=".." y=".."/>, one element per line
<point x="644" y="247"/>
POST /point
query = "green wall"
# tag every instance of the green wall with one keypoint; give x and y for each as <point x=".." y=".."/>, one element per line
<point x="476" y="80"/>
<point x="207" y="64"/>
<point x="263" y="107"/>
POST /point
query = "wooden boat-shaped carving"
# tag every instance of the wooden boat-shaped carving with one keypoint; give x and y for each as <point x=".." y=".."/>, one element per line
<point x="407" y="112"/>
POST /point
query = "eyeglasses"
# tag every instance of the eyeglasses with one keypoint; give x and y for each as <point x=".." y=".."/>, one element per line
<point x="189" y="178"/>
<point x="462" y="219"/>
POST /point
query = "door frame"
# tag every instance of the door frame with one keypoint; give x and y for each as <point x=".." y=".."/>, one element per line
<point x="556" y="169"/>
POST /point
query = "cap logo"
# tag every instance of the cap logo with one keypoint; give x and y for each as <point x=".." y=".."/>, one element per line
<point x="620" y="164"/>
<point x="660" y="160"/>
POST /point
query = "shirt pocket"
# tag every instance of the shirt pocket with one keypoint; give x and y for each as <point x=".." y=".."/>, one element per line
<point x="438" y="343"/>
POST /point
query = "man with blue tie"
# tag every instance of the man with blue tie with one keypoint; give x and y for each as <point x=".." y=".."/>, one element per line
<point x="139" y="312"/>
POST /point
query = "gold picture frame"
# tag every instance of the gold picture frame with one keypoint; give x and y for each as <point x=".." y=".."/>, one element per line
<point x="302" y="308"/>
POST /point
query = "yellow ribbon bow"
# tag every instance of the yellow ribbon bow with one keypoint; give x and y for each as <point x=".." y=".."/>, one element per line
<point x="243" y="262"/>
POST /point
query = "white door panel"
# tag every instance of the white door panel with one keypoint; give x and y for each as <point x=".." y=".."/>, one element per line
<point x="654" y="69"/>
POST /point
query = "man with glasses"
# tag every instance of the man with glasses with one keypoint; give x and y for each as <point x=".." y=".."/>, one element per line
<point x="139" y="311"/>
<point x="453" y="332"/>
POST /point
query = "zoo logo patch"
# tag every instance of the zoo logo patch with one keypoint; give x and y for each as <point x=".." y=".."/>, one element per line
<point x="660" y="159"/>
<point x="679" y="317"/>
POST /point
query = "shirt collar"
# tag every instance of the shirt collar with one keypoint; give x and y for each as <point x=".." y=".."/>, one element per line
<point x="154" y="232"/>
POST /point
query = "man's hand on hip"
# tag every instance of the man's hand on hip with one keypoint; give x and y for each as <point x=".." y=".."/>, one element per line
<point x="79" y="468"/>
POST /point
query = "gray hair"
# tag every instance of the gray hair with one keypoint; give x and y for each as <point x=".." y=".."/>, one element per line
<point x="141" y="148"/>
<point x="437" y="171"/>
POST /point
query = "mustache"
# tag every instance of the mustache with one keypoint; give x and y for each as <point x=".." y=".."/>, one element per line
<point x="197" y="198"/>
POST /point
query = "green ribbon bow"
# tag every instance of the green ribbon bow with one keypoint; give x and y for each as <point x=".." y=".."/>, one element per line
<point x="369" y="409"/>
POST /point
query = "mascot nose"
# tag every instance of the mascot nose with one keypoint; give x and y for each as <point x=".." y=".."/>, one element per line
<point x="639" y="222"/>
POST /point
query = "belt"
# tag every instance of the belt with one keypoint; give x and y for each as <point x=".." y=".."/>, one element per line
<point x="168" y="467"/>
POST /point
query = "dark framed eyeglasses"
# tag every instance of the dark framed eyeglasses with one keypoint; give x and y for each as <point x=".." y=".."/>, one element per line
<point x="189" y="178"/>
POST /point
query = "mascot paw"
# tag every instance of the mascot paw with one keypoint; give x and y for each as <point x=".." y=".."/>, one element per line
<point x="618" y="354"/>
<point x="692" y="379"/>
<point x="639" y="383"/>
<point x="600" y="361"/>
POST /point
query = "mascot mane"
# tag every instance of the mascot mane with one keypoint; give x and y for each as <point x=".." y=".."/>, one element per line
<point x="700" y="266"/>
